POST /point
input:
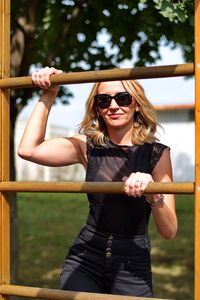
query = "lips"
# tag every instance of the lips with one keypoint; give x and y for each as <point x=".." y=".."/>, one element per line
<point x="114" y="116"/>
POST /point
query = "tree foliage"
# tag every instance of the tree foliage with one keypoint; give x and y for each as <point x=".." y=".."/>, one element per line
<point x="65" y="34"/>
<point x="174" y="11"/>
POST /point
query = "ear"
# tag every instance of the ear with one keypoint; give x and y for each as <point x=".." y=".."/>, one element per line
<point x="137" y="108"/>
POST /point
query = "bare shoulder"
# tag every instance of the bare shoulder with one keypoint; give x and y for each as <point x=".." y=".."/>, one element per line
<point x="163" y="169"/>
<point x="79" y="142"/>
<point x="80" y="137"/>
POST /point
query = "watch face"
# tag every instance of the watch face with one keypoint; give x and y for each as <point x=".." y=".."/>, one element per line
<point x="156" y="202"/>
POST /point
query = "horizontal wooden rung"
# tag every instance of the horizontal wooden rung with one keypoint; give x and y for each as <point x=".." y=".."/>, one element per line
<point x="93" y="187"/>
<point x="105" y="75"/>
<point x="53" y="294"/>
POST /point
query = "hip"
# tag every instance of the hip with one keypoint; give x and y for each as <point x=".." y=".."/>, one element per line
<point x="137" y="246"/>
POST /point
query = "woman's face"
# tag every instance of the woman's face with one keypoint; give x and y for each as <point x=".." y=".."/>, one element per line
<point x="116" y="115"/>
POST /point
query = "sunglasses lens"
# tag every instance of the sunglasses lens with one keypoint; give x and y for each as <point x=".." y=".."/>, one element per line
<point x="102" y="100"/>
<point x="123" y="99"/>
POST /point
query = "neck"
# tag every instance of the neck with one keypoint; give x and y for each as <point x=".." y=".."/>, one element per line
<point x="121" y="136"/>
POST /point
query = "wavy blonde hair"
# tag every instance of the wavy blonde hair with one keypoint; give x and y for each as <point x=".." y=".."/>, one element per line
<point x="145" y="122"/>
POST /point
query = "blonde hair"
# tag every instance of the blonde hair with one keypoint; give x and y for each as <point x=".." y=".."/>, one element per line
<point x="144" y="120"/>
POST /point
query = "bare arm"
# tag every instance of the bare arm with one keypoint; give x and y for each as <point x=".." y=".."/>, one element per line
<point x="164" y="213"/>
<point x="52" y="152"/>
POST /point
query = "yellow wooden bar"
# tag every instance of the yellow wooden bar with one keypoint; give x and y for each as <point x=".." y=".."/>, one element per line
<point x="4" y="142"/>
<point x="53" y="294"/>
<point x="197" y="150"/>
<point x="93" y="187"/>
<point x="106" y="75"/>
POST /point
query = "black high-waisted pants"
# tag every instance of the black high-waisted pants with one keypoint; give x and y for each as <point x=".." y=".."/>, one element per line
<point x="107" y="263"/>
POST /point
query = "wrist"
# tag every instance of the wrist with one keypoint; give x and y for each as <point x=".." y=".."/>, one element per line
<point x="157" y="200"/>
<point x="52" y="90"/>
<point x="48" y="97"/>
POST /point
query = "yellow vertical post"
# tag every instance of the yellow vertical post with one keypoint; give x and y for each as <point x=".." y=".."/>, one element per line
<point x="197" y="149"/>
<point x="4" y="143"/>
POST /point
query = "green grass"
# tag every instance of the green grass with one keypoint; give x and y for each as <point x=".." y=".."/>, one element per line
<point x="49" y="222"/>
<point x="173" y="261"/>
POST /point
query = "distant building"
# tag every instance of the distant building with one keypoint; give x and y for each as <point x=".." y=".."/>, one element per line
<point x="178" y="133"/>
<point x="26" y="170"/>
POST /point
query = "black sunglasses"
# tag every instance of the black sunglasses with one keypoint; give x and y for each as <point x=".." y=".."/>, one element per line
<point x="104" y="100"/>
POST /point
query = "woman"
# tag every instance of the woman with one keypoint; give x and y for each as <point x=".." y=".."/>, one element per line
<point x="116" y="143"/>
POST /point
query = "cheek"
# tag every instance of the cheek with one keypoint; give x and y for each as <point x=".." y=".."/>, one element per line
<point x="102" y="112"/>
<point x="134" y="109"/>
<point x="130" y="110"/>
<point x="130" y="113"/>
<point x="135" y="106"/>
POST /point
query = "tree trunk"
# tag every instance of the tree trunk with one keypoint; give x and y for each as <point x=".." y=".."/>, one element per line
<point x="21" y="57"/>
<point x="13" y="211"/>
<point x="14" y="239"/>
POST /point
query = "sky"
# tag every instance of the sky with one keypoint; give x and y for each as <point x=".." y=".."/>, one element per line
<point x="177" y="90"/>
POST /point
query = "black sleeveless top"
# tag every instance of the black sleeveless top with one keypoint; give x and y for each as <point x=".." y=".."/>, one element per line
<point x="119" y="213"/>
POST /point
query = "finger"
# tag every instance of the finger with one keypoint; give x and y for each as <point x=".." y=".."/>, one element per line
<point x="126" y="185"/>
<point x="35" y="78"/>
<point x="46" y="78"/>
<point x="129" y="184"/>
<point x="138" y="183"/>
<point x="41" y="77"/>
<point x="135" y="188"/>
<point x="124" y="178"/>
<point x="51" y="71"/>
<point x="55" y="71"/>
<point x="144" y="185"/>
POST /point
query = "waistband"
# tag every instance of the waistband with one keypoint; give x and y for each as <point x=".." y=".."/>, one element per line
<point x="123" y="245"/>
<point x="116" y="236"/>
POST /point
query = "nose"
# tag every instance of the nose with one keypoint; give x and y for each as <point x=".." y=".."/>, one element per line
<point x="113" y="104"/>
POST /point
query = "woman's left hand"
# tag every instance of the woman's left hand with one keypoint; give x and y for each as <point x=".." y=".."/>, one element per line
<point x="136" y="183"/>
<point x="163" y="210"/>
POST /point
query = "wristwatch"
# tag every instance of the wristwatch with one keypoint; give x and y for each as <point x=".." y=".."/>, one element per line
<point x="156" y="202"/>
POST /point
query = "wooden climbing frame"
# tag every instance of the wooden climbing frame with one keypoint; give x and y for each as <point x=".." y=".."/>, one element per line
<point x="6" y="186"/>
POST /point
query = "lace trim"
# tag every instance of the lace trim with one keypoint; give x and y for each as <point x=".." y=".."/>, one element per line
<point x="157" y="152"/>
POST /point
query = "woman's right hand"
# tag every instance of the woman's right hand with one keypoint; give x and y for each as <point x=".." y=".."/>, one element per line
<point x="41" y="78"/>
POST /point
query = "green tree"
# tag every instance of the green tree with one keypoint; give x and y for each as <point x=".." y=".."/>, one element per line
<point x="65" y="34"/>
